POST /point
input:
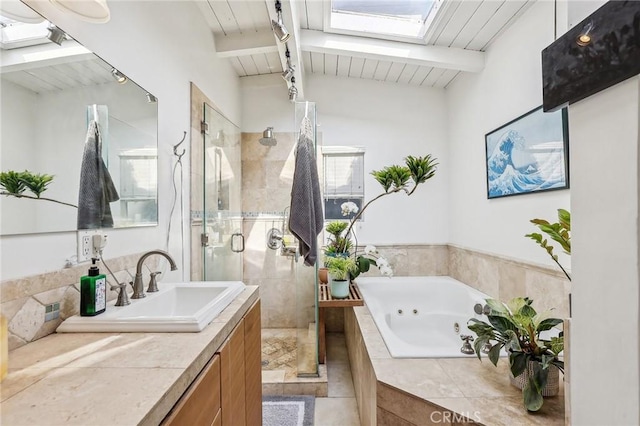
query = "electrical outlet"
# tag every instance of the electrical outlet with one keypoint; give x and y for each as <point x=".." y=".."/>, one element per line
<point x="85" y="245"/>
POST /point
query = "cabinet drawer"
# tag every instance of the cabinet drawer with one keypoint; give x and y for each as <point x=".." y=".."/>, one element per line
<point x="200" y="404"/>
<point x="218" y="420"/>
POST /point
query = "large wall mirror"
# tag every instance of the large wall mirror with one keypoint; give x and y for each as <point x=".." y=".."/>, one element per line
<point x="51" y="94"/>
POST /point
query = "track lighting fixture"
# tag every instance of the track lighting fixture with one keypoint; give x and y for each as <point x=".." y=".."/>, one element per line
<point x="279" y="29"/>
<point x="293" y="91"/>
<point x="289" y="71"/>
<point x="56" y="35"/>
<point x="119" y="77"/>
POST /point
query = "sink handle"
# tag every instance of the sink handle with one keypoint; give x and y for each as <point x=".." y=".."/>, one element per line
<point x="153" y="284"/>
<point x="123" y="297"/>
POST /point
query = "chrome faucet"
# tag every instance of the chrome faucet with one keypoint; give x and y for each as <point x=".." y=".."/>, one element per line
<point x="466" y="345"/>
<point x="138" y="286"/>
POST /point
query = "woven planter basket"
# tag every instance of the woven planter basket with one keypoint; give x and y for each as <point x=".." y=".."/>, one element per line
<point x="553" y="379"/>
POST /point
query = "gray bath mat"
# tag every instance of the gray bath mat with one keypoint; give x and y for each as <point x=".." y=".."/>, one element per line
<point x="288" y="410"/>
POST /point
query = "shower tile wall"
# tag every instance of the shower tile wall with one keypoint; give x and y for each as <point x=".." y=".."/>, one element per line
<point x="23" y="300"/>
<point x="267" y="174"/>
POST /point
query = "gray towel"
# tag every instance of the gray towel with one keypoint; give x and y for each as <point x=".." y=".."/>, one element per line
<point x="96" y="187"/>
<point x="306" y="219"/>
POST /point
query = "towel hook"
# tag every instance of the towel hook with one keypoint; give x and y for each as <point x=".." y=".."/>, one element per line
<point x="175" y="147"/>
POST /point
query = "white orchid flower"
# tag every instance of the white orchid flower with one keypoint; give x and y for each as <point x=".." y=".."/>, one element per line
<point x="370" y="249"/>
<point x="382" y="262"/>
<point x="348" y="208"/>
<point x="386" y="271"/>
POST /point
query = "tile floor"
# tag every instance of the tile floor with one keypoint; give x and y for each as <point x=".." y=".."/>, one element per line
<point x="339" y="408"/>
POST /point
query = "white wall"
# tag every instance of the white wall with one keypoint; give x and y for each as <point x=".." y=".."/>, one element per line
<point x="509" y="86"/>
<point x="605" y="385"/>
<point x="391" y="121"/>
<point x="16" y="127"/>
<point x="162" y="46"/>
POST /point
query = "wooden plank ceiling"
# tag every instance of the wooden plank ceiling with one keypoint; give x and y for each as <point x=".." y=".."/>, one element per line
<point x="462" y="30"/>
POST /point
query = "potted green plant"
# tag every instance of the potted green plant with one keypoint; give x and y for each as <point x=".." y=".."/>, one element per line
<point x="533" y="361"/>
<point x="340" y="270"/>
<point x="337" y="243"/>
<point x="559" y="232"/>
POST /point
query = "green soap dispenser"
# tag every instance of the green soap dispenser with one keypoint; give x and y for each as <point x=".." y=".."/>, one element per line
<point x="93" y="292"/>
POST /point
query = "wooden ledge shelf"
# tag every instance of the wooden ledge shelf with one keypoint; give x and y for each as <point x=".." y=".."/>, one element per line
<point x="325" y="300"/>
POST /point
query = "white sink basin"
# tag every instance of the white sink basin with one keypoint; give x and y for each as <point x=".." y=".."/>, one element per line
<point x="179" y="307"/>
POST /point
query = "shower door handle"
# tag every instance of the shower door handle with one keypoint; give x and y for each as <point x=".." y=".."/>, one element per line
<point x="233" y="242"/>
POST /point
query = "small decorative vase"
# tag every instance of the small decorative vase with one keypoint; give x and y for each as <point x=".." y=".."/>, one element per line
<point x="339" y="288"/>
<point x="323" y="276"/>
<point x="553" y="379"/>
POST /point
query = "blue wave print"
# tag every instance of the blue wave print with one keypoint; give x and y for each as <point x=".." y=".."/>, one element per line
<point x="537" y="168"/>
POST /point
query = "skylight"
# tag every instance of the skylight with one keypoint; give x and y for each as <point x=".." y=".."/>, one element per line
<point x="15" y="34"/>
<point x="403" y="18"/>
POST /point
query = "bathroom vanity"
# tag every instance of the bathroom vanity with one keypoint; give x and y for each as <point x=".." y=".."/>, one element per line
<point x="210" y="377"/>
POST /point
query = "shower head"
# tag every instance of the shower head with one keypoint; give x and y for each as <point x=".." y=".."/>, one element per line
<point x="267" y="138"/>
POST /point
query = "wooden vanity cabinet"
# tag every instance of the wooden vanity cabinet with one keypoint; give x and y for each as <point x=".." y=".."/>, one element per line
<point x="228" y="391"/>
<point x="200" y="404"/>
<point x="253" y="366"/>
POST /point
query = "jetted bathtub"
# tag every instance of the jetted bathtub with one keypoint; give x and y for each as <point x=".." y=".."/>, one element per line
<point x="421" y="317"/>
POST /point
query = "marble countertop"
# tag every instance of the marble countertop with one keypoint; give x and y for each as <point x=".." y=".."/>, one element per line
<point x="474" y="389"/>
<point x="110" y="378"/>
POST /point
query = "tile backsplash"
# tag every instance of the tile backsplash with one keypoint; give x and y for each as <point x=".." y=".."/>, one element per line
<point x="25" y="301"/>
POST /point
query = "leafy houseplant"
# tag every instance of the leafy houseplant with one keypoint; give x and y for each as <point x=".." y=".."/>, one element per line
<point x="559" y="232"/>
<point x="340" y="269"/>
<point x="14" y="184"/>
<point x="516" y="326"/>
<point x="337" y="243"/>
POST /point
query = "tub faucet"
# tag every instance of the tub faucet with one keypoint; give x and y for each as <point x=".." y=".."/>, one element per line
<point x="466" y="346"/>
<point x="138" y="286"/>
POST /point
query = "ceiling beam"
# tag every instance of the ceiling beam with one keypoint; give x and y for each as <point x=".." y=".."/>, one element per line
<point x="245" y="44"/>
<point x="383" y="50"/>
<point x="42" y="55"/>
<point x="291" y="22"/>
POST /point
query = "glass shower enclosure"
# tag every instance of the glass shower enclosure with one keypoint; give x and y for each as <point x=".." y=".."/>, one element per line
<point x="307" y="277"/>
<point x="217" y="239"/>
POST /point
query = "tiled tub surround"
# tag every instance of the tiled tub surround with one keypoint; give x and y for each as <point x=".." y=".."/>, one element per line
<point x="110" y="378"/>
<point x="504" y="278"/>
<point x="498" y="276"/>
<point x="24" y="300"/>
<point x="404" y="392"/>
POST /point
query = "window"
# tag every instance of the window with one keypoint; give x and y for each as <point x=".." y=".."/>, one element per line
<point x="343" y="179"/>
<point x="403" y="18"/>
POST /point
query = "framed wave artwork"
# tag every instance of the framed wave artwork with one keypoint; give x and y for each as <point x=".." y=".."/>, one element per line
<point x="528" y="154"/>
